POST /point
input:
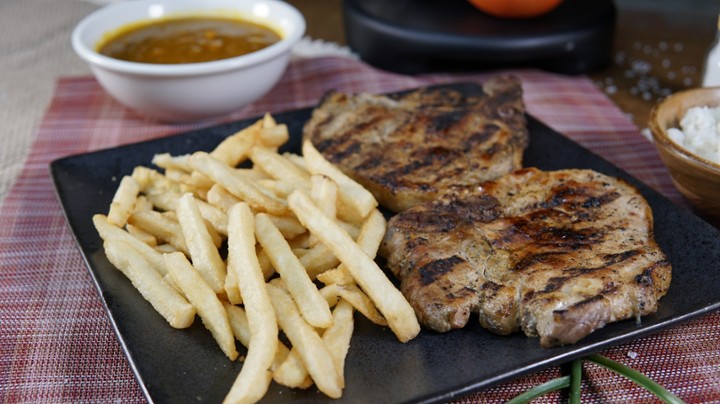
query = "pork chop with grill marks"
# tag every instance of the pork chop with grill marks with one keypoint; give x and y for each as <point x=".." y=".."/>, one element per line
<point x="554" y="254"/>
<point x="412" y="148"/>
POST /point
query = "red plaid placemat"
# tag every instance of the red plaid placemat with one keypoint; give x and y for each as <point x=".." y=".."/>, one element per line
<point x="57" y="345"/>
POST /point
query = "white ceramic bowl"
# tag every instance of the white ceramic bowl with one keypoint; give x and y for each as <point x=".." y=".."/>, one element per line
<point x="185" y="92"/>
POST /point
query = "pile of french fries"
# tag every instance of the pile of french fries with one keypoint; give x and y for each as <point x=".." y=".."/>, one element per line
<point x="301" y="239"/>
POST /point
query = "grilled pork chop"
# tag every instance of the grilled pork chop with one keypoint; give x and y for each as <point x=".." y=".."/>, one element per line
<point x="412" y="148"/>
<point x="554" y="254"/>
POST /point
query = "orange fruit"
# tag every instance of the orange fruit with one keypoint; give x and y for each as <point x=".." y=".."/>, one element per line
<point x="515" y="8"/>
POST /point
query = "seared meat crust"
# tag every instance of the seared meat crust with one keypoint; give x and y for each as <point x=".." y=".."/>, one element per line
<point x="416" y="147"/>
<point x="554" y="254"/>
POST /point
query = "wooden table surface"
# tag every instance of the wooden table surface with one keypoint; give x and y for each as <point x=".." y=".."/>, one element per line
<point x="659" y="47"/>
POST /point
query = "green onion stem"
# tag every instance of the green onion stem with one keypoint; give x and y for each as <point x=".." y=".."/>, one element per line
<point x="635" y="376"/>
<point x="575" y="382"/>
<point x="541" y="389"/>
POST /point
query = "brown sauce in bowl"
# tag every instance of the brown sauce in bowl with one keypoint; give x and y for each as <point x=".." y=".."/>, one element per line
<point x="187" y="40"/>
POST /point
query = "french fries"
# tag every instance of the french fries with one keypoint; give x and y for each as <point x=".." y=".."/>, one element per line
<point x="203" y="251"/>
<point x="281" y="251"/>
<point x="163" y="297"/>
<point x="312" y="305"/>
<point x="236" y="184"/>
<point x="351" y="194"/>
<point x="255" y="376"/>
<point x="305" y="339"/>
<point x="123" y="201"/>
<point x="202" y="296"/>
<point x="391" y="303"/>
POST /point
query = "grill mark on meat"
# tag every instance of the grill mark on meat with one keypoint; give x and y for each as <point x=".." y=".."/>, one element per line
<point x="611" y="259"/>
<point x="543" y="257"/>
<point x="350" y="148"/>
<point x="446" y="121"/>
<point x="492" y="150"/>
<point x="544" y="236"/>
<point x="555" y="283"/>
<point x="435" y="155"/>
<point x="567" y="238"/>
<point x="556" y="268"/>
<point x="481" y="136"/>
<point x="646" y="277"/>
<point x="329" y="145"/>
<point x="478" y="209"/>
<point x="573" y="196"/>
<point x="437" y="268"/>
<point x="580" y="304"/>
<point x="490" y="288"/>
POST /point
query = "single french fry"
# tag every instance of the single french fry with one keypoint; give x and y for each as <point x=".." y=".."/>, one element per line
<point x="307" y="342"/>
<point x="274" y="137"/>
<point x="351" y="193"/>
<point x="318" y="259"/>
<point x="235" y="148"/>
<point x="177" y="175"/>
<point x="253" y="174"/>
<point x="255" y="375"/>
<point x="324" y="192"/>
<point x="388" y="299"/>
<point x="123" y="202"/>
<point x="372" y="233"/>
<point x="165" y="249"/>
<point x="143" y="203"/>
<point x="313" y="307"/>
<point x="298" y="160"/>
<point x="151" y="181"/>
<point x="356" y="297"/>
<point x="232" y="289"/>
<point x="369" y="239"/>
<point x="288" y="225"/>
<point x="108" y="231"/>
<point x="150" y="283"/>
<point x="167" y="161"/>
<point x="336" y="276"/>
<point x="161" y="226"/>
<point x="241" y="330"/>
<point x="337" y="337"/>
<point x="203" y="251"/>
<point x="266" y="266"/>
<point x="199" y="181"/>
<point x="142" y="235"/>
<point x="301" y="242"/>
<point x="195" y="190"/>
<point x="220" y="198"/>
<point x="236" y="184"/>
<point x="268" y="121"/>
<point x="202" y="296"/>
<point x="292" y="372"/>
<point x="352" y="230"/>
<point x="279" y="188"/>
<point x="277" y="166"/>
<point x="214" y="216"/>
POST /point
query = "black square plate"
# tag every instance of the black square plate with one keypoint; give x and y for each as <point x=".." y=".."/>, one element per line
<point x="186" y="365"/>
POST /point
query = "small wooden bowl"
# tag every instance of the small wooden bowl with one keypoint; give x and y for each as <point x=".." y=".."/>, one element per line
<point x="698" y="179"/>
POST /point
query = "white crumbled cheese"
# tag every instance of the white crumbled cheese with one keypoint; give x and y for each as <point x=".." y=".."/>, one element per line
<point x="699" y="132"/>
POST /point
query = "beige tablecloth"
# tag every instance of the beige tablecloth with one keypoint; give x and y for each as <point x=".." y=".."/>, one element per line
<point x="34" y="50"/>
